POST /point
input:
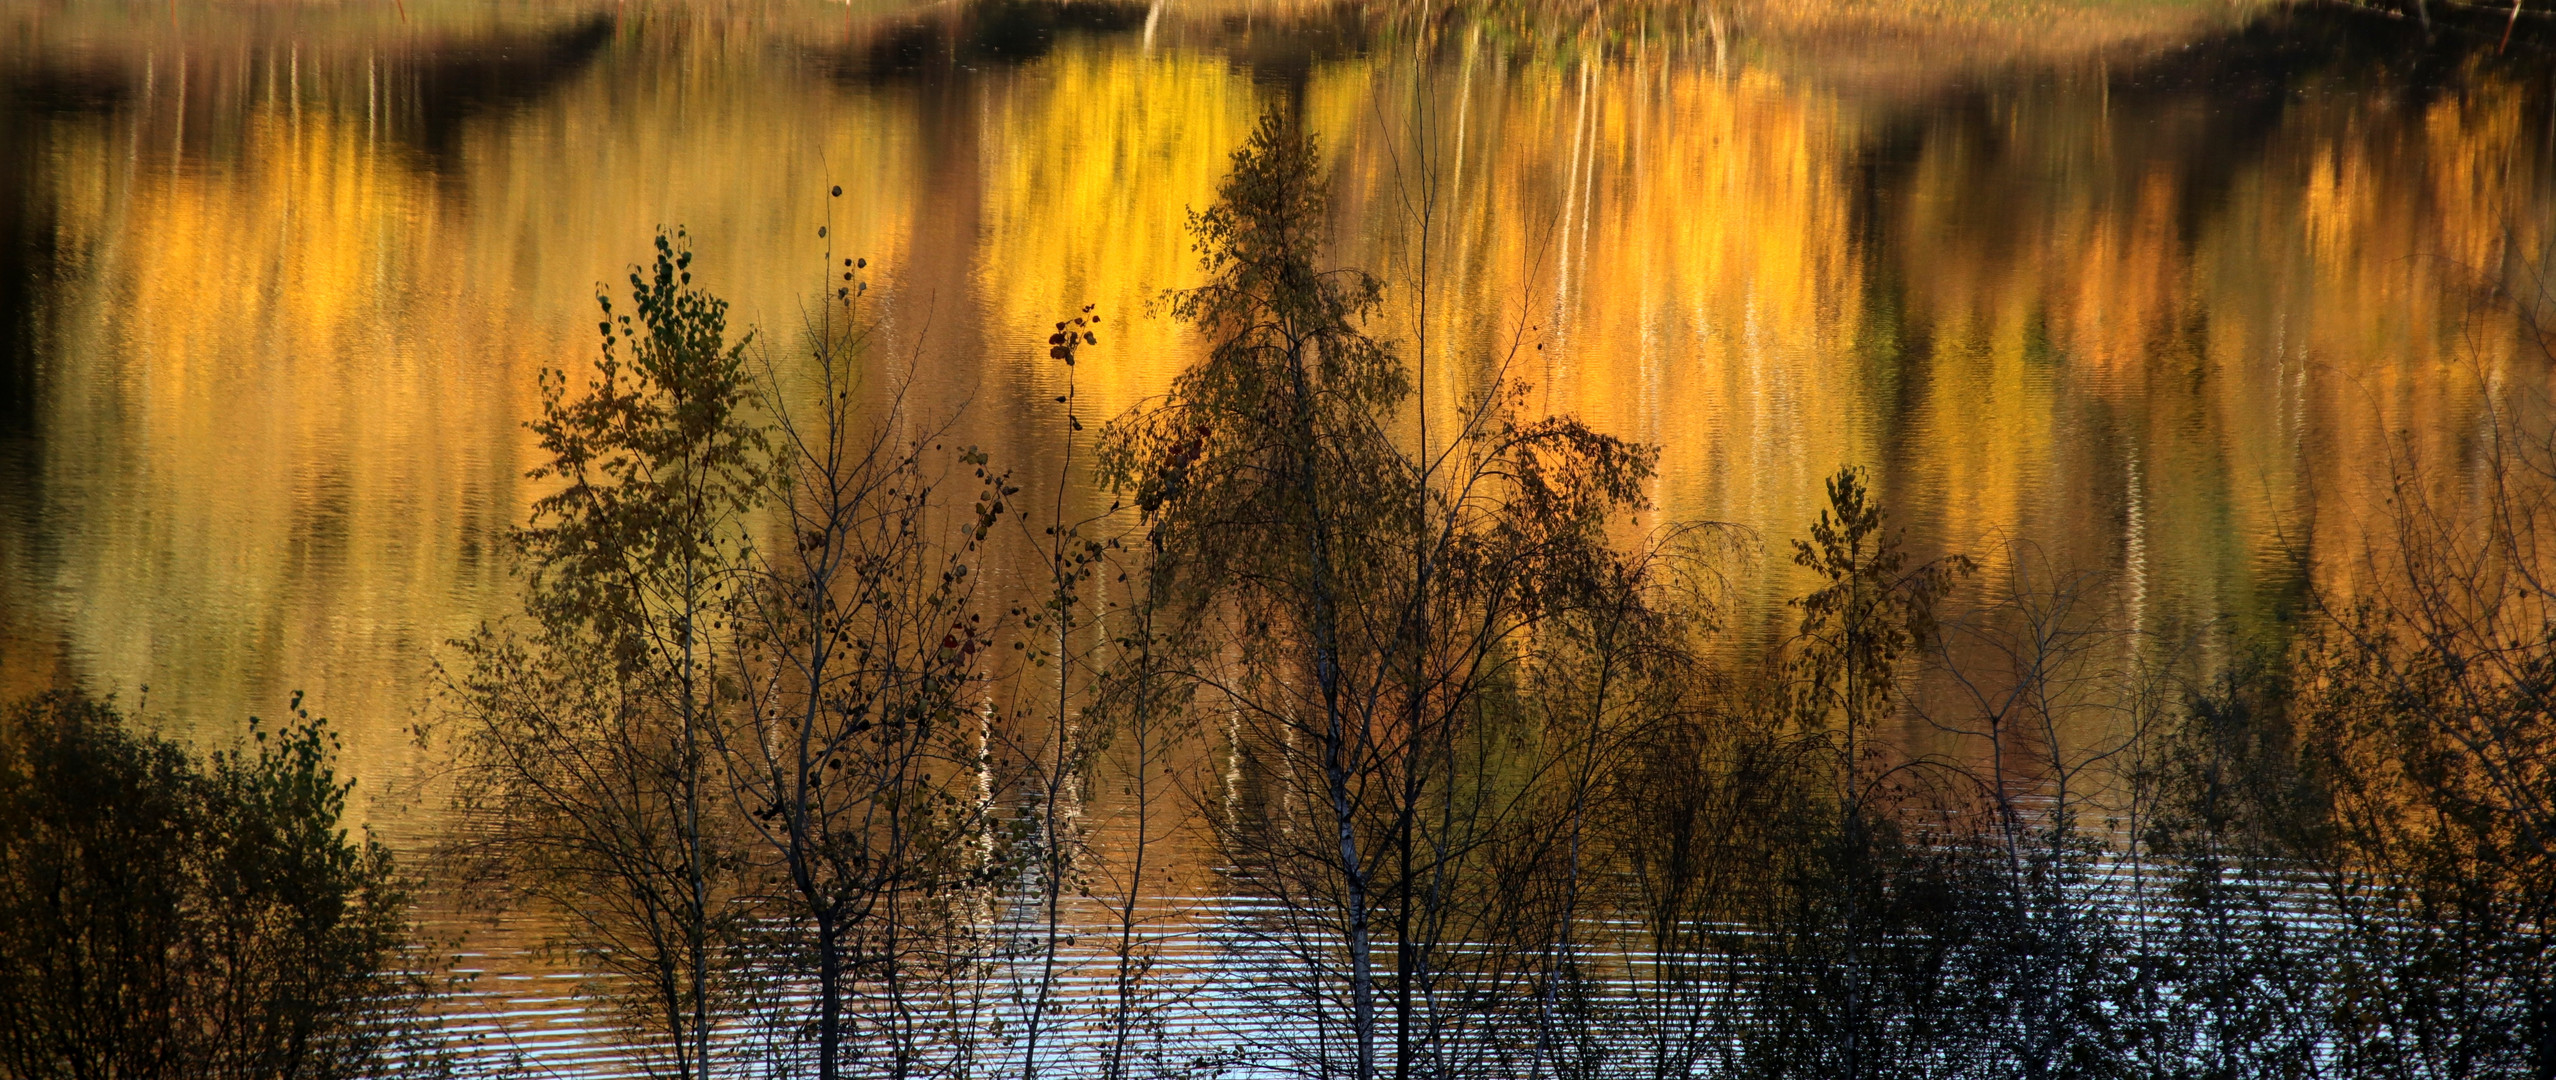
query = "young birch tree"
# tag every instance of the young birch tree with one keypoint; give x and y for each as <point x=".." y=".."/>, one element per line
<point x="589" y="741"/>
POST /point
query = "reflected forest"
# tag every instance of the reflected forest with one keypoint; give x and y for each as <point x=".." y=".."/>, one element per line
<point x="1291" y="672"/>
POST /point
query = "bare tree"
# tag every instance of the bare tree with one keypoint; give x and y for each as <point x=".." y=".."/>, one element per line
<point x="1056" y="740"/>
<point x="861" y="765"/>
<point x="2034" y="679"/>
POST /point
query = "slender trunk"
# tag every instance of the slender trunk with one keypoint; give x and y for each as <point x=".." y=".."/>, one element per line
<point x="1407" y="815"/>
<point x="1402" y="945"/>
<point x="1336" y="748"/>
<point x="1123" y="1009"/>
<point x="1336" y="751"/>
<point x="1052" y="899"/>
<point x="1408" y="953"/>
<point x="829" y="998"/>
<point x="803" y="858"/>
<point x="1362" y="998"/>
<point x="1565" y="959"/>
<point x="1058" y="856"/>
<point x="670" y="987"/>
<point x="696" y="922"/>
<point x="900" y="1019"/>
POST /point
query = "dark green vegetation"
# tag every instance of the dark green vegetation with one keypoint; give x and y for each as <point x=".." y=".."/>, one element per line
<point x="162" y="916"/>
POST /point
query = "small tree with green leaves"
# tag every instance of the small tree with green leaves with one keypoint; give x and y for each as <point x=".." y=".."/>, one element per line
<point x="589" y="741"/>
<point x="165" y="917"/>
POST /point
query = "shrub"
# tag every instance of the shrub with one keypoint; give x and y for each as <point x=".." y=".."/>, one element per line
<point x="165" y="916"/>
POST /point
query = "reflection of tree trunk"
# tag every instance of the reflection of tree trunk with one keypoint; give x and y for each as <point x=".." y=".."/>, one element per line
<point x="938" y="283"/>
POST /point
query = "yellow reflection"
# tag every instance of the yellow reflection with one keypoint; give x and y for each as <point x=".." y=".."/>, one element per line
<point x="1656" y="247"/>
<point x="278" y="471"/>
<point x="292" y="356"/>
<point x="1094" y="157"/>
<point x="287" y="439"/>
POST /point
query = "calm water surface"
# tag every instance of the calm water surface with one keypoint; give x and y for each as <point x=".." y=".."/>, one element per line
<point x="2159" y="297"/>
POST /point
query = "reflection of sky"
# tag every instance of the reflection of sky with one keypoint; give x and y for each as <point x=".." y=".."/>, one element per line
<point x="300" y="295"/>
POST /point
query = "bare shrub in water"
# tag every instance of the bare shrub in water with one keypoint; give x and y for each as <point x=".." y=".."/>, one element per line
<point x="1711" y="795"/>
<point x="2244" y="959"/>
<point x="2357" y="828"/>
<point x="861" y="759"/>
<point x="2427" y="739"/>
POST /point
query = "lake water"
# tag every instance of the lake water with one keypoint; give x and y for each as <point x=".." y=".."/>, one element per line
<point x="2160" y="289"/>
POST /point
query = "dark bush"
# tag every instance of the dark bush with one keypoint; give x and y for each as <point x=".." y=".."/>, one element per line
<point x="164" y="916"/>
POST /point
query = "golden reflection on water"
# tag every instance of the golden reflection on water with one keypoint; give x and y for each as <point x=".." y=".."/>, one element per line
<point x="1090" y="160"/>
<point x="271" y="458"/>
<point x="1676" y="241"/>
<point x="286" y="353"/>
